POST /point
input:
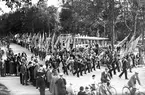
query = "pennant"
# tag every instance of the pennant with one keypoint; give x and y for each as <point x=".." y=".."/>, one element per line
<point x="122" y="42"/>
<point x="130" y="42"/>
<point x="52" y="42"/>
<point x="39" y="41"/>
<point x="58" y="39"/>
<point x="134" y="44"/>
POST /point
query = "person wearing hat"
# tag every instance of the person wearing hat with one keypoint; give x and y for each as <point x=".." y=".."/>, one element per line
<point x="70" y="90"/>
<point x="81" y="92"/>
<point x="87" y="91"/>
<point x="124" y="67"/>
<point x="61" y="85"/>
<point x="53" y="86"/>
<point x="23" y="73"/>
<point x="36" y="66"/>
<point x="40" y="74"/>
<point x="133" y="81"/>
<point x="93" y="83"/>
<point x="105" y="77"/>
<point x="76" y="66"/>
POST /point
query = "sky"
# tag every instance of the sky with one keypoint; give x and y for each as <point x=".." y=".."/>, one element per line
<point x="6" y="9"/>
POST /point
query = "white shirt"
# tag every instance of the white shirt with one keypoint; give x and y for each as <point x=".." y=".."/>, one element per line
<point x="93" y="81"/>
<point x="47" y="58"/>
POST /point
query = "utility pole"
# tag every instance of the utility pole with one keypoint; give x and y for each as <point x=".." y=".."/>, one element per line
<point x="143" y="12"/>
<point x="142" y="5"/>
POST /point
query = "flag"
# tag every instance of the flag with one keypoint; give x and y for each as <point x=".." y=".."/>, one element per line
<point x="29" y="38"/>
<point x="36" y="39"/>
<point x="43" y="37"/>
<point x="47" y="43"/>
<point x="123" y="41"/>
<point x="42" y="40"/>
<point x="131" y="46"/>
<point x="58" y="39"/>
<point x="68" y="43"/>
<point x="134" y="44"/>
<point x="130" y="42"/>
<point x="52" y="42"/>
<point x="39" y="41"/>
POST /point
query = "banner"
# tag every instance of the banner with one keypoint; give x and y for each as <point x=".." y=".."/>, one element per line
<point x="130" y="47"/>
<point x="52" y="42"/>
<point x="123" y="41"/>
<point x="134" y="44"/>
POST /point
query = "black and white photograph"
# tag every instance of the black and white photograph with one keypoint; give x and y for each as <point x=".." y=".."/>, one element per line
<point x="72" y="47"/>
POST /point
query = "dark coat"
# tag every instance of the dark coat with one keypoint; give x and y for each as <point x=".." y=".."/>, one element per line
<point x="104" y="77"/>
<point x="61" y="86"/>
<point x="81" y="93"/>
<point x="40" y="79"/>
<point x="23" y="69"/>
<point x="133" y="81"/>
<point x="124" y="64"/>
<point x="35" y="71"/>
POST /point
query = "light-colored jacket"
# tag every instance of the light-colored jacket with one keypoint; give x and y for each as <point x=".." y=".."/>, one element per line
<point x="70" y="90"/>
<point x="133" y="80"/>
<point x="48" y="76"/>
<point x="53" y="87"/>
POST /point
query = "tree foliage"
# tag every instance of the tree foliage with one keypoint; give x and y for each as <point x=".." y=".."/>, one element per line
<point x="37" y="18"/>
<point x="87" y="17"/>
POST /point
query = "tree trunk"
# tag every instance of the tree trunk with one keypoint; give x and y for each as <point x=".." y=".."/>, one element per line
<point x="104" y="30"/>
<point x="112" y="24"/>
<point x="135" y="24"/>
<point x="32" y="27"/>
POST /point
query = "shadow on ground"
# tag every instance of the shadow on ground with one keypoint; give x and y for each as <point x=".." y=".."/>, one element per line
<point x="4" y="90"/>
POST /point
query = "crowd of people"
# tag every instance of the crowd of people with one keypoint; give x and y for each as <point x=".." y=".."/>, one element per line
<point x="76" y="62"/>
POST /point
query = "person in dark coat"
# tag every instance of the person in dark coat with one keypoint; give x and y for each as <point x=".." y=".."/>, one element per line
<point x="58" y="60"/>
<point x="1" y="67"/>
<point x="93" y="61"/>
<point x="61" y="85"/>
<point x="98" y="62"/>
<point x="41" y="79"/>
<point x="76" y="67"/>
<point x="88" y="63"/>
<point x="36" y="66"/>
<point x="81" y="92"/>
<point x="105" y="77"/>
<point x="23" y="71"/>
<point x="124" y="67"/>
<point x="65" y="69"/>
<point x="133" y="82"/>
<point x="48" y="77"/>
<point x="112" y="67"/>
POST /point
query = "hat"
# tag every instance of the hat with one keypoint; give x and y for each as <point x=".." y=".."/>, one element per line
<point x="35" y="60"/>
<point x="136" y="72"/>
<point x="23" y="58"/>
<point x="106" y="68"/>
<point x="61" y="74"/>
<point x="41" y="65"/>
<point x="71" y="84"/>
<point x="86" y="87"/>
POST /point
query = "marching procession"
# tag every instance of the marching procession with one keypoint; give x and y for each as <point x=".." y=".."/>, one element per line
<point x="76" y="62"/>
